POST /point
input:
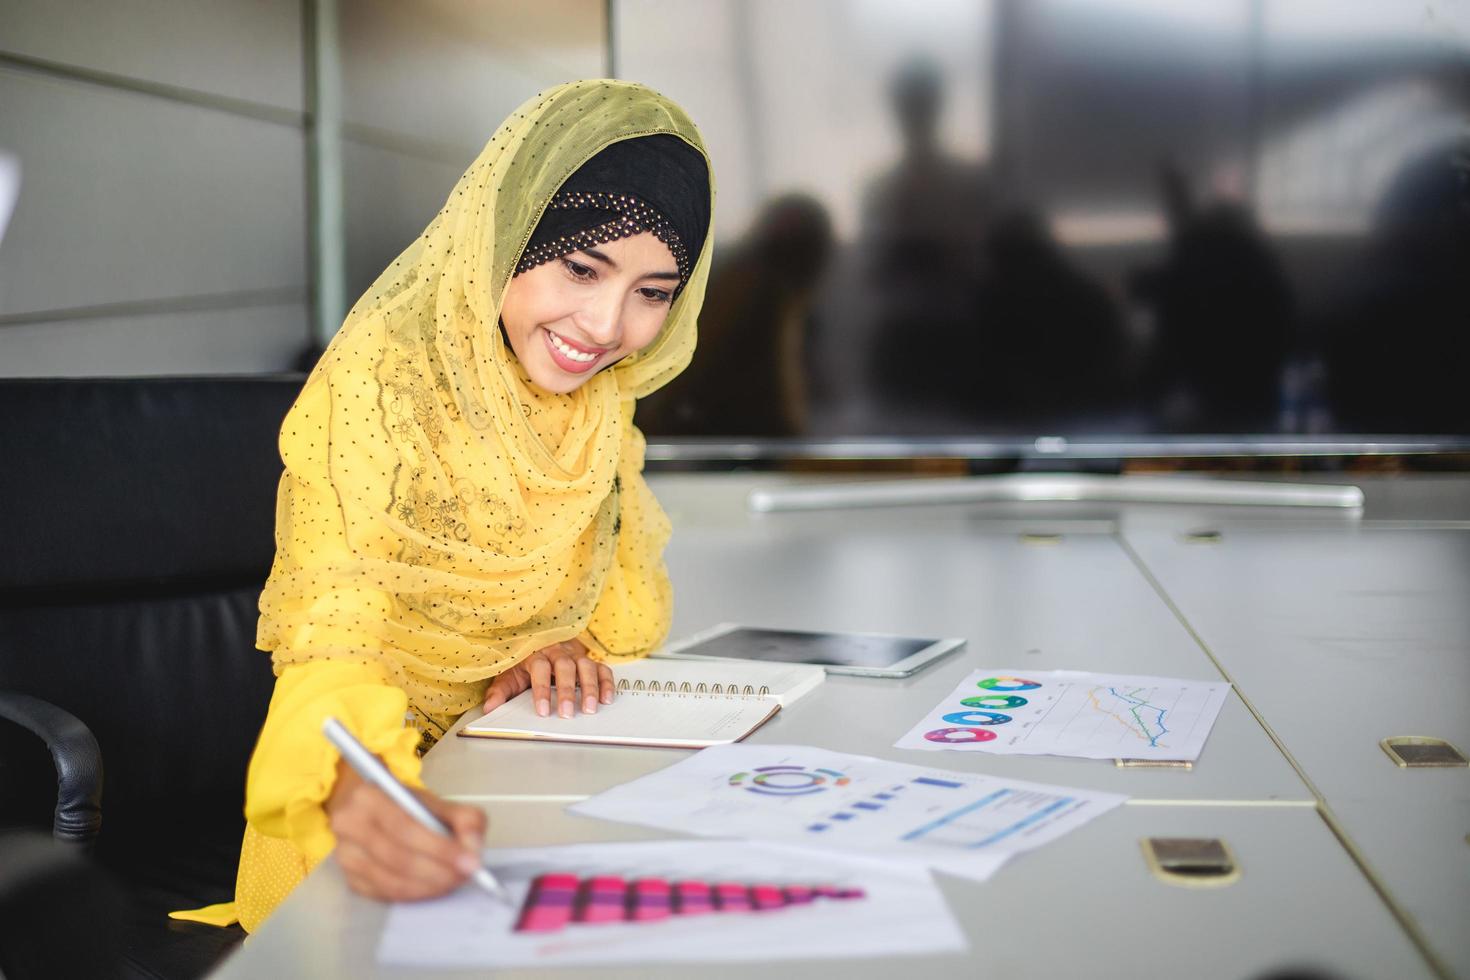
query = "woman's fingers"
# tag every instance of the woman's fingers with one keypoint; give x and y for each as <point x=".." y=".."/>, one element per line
<point x="565" y="665"/>
<point x="497" y="693"/>
<point x="539" y="669"/>
<point x="420" y="840"/>
<point x="506" y="686"/>
<point x="386" y="854"/>
<point x="605" y="685"/>
<point x="587" y="677"/>
<point x="412" y="866"/>
<point x="467" y="824"/>
<point x="566" y="683"/>
<point x="362" y="872"/>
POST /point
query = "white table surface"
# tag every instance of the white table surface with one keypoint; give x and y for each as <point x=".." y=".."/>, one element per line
<point x="1077" y="602"/>
<point x="1117" y="591"/>
<point x="1084" y="906"/>
<point x="1341" y="639"/>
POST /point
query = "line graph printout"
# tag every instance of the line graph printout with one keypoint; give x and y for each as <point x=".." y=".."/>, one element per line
<point x="888" y="909"/>
<point x="1068" y="712"/>
<point x="960" y="823"/>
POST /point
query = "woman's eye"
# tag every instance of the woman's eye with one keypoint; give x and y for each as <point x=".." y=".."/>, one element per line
<point x="578" y="270"/>
<point x="655" y="295"/>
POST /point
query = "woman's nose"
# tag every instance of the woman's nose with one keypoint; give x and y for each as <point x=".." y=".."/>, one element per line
<point x="599" y="319"/>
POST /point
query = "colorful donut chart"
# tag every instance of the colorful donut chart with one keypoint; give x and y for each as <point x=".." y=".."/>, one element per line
<point x="1008" y="684"/>
<point x="959" y="736"/>
<point x="976" y="718"/>
<point x="788" y="780"/>
<point x="993" y="701"/>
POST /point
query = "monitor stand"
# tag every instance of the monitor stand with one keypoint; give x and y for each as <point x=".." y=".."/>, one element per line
<point x="1028" y="487"/>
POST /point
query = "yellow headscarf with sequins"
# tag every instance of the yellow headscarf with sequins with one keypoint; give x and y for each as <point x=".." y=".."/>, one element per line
<point x="439" y="515"/>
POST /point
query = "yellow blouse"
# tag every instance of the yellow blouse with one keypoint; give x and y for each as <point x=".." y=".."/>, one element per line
<point x="440" y="518"/>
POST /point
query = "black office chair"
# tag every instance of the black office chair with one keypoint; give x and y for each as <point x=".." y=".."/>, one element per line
<point x="136" y="530"/>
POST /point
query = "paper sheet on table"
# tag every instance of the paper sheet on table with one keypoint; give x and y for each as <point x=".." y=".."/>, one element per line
<point x="960" y="823"/>
<point x="901" y="912"/>
<point x="1070" y="712"/>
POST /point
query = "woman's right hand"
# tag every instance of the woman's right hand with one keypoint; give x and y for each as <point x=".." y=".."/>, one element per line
<point x="388" y="855"/>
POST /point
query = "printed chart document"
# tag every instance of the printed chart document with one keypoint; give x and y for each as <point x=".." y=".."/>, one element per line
<point x="1069" y="712"/>
<point x="889" y="910"/>
<point x="960" y="823"/>
<point x="669" y="704"/>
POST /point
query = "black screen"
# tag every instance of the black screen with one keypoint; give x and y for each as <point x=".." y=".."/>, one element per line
<point x="826" y="649"/>
<point x="1088" y="217"/>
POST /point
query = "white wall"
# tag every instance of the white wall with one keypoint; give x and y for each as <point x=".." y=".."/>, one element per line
<point x="163" y="225"/>
<point x="425" y="84"/>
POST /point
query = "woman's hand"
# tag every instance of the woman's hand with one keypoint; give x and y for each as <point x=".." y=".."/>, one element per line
<point x="388" y="855"/>
<point x="566" y="665"/>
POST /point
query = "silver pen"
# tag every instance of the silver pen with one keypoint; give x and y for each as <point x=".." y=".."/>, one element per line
<point x="371" y="768"/>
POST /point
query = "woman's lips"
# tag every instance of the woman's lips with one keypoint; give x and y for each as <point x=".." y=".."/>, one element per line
<point x="571" y="357"/>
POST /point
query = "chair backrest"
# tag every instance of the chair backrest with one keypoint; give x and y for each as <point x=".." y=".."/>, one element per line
<point x="136" y="530"/>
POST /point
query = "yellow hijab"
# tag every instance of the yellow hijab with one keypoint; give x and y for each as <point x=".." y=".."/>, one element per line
<point x="439" y="515"/>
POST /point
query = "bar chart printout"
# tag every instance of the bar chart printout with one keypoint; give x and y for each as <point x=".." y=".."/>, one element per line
<point x="1064" y="712"/>
<point x="961" y="823"/>
<point x="674" y="901"/>
<point x="558" y="900"/>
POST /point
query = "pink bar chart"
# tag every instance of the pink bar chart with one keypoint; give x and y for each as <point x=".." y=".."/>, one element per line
<point x="556" y="901"/>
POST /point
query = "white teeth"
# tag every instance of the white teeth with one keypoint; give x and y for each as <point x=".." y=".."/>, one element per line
<point x="569" y="351"/>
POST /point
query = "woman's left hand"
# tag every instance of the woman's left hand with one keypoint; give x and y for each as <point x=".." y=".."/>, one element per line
<point x="565" y="665"/>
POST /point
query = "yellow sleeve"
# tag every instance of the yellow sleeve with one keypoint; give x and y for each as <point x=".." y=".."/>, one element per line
<point x="633" y="614"/>
<point x="294" y="767"/>
<point x="292" y="773"/>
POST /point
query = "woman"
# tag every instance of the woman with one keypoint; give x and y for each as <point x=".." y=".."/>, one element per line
<point x="463" y="514"/>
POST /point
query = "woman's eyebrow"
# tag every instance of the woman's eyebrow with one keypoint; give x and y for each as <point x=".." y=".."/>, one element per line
<point x="604" y="257"/>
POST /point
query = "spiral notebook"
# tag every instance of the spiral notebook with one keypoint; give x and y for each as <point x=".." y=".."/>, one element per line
<point x="665" y="703"/>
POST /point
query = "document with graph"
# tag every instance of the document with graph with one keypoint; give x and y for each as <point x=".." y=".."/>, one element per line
<point x="1069" y="712"/>
<point x="690" y="901"/>
<point x="961" y="823"/>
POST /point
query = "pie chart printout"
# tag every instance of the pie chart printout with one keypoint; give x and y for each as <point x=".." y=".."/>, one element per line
<point x="1062" y="712"/>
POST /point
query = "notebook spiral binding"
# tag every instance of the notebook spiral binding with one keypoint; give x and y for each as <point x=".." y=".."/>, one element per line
<point x="685" y="689"/>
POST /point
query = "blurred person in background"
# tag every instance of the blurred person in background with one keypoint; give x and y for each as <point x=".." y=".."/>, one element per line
<point x="1053" y="341"/>
<point x="1398" y="345"/>
<point x="924" y="229"/>
<point x="751" y="377"/>
<point x="1226" y="317"/>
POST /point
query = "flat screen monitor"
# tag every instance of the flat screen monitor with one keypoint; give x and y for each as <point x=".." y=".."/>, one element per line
<point x="1137" y="224"/>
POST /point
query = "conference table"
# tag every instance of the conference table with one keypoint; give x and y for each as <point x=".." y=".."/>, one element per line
<point x="1337" y="628"/>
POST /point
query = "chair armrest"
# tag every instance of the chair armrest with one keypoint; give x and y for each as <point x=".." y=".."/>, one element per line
<point x="78" y="762"/>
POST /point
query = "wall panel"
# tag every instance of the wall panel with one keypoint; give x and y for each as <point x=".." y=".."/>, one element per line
<point x="423" y="87"/>
<point x="391" y="197"/>
<point x="251" y="51"/>
<point x="128" y="198"/>
<point x="246" y="340"/>
<point x="444" y="73"/>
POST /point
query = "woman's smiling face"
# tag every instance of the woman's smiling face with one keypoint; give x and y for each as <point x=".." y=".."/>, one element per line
<point x="569" y="318"/>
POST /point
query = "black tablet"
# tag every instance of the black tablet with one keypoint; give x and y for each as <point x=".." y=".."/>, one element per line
<point x="865" y="654"/>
